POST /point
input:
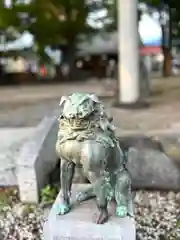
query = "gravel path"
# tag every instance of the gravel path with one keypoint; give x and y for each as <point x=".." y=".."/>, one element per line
<point x="156" y="218"/>
<point x="29" y="114"/>
<point x="157" y="215"/>
<point x="26" y="114"/>
<point x="26" y="105"/>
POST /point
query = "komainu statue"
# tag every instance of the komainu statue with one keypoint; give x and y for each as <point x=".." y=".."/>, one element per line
<point x="86" y="138"/>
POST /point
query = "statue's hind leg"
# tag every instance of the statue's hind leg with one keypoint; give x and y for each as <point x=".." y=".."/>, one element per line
<point x="67" y="172"/>
<point x="123" y="193"/>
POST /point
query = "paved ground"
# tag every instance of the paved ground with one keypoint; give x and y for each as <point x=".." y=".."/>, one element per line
<point x="27" y="105"/>
<point x="11" y="142"/>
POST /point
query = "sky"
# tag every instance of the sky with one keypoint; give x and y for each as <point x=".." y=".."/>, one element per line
<point x="149" y="29"/>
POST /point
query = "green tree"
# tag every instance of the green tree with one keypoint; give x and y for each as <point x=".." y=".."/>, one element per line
<point x="110" y="21"/>
<point x="56" y="23"/>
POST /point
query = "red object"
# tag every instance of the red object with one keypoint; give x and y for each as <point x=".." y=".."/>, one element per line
<point x="43" y="71"/>
<point x="147" y="50"/>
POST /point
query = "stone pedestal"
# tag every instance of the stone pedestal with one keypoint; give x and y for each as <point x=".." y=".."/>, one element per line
<point x="78" y="224"/>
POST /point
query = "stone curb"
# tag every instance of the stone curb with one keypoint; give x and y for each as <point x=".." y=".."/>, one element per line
<point x="36" y="159"/>
<point x="11" y="141"/>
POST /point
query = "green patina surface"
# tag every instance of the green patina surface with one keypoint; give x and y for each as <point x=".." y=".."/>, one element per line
<point x="86" y="130"/>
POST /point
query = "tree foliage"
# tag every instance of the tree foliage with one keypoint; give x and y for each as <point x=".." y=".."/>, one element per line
<point x="110" y="22"/>
<point x="51" y="22"/>
<point x="159" y="5"/>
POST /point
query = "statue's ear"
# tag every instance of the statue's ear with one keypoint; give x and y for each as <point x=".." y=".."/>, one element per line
<point x="63" y="100"/>
<point x="94" y="98"/>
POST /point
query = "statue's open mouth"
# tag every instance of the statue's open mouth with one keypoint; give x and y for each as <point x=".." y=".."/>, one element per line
<point x="79" y="124"/>
<point x="74" y="123"/>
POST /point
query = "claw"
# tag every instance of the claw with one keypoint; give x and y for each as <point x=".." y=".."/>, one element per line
<point x="121" y="211"/>
<point x="62" y="209"/>
<point x="103" y="217"/>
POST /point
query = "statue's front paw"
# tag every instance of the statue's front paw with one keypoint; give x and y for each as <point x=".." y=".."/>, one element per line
<point x="121" y="211"/>
<point x="62" y="209"/>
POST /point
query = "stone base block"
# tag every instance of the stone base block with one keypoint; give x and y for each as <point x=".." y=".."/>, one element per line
<point x="79" y="224"/>
<point x="36" y="160"/>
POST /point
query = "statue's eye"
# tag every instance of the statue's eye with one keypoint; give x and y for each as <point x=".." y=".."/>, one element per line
<point x="61" y="117"/>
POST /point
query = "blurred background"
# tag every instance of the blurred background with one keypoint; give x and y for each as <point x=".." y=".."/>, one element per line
<point x="46" y="41"/>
